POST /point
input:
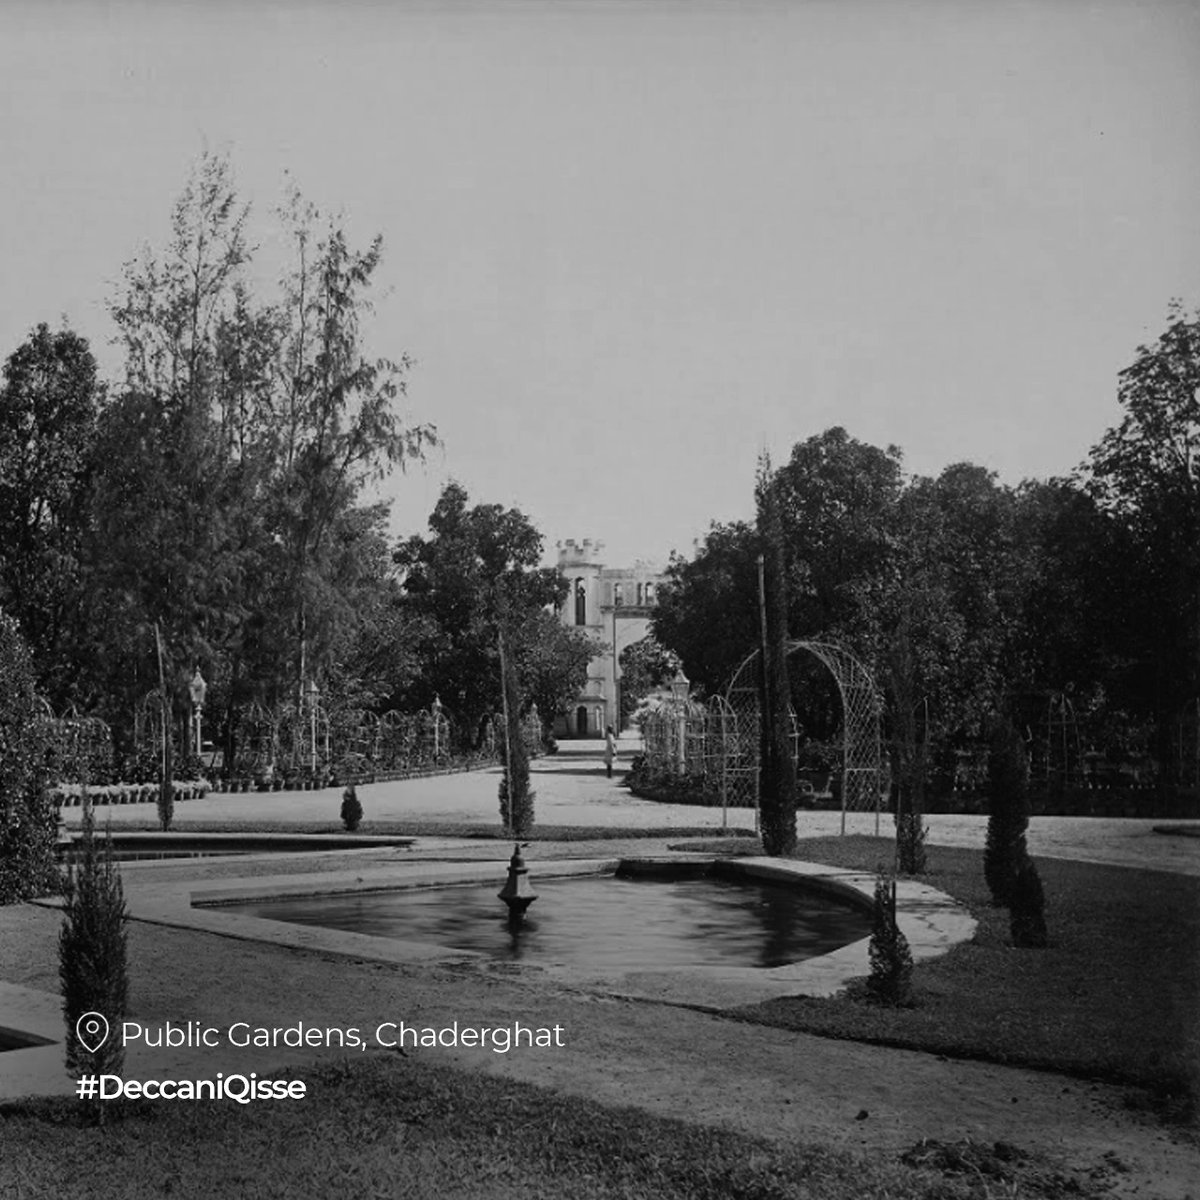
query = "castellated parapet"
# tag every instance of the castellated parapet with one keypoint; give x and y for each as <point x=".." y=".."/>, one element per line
<point x="586" y="552"/>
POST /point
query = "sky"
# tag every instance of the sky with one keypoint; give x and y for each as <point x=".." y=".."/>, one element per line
<point x="629" y="246"/>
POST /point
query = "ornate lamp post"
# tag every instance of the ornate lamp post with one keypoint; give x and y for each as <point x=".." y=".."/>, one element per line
<point x="680" y="686"/>
<point x="198" y="689"/>
<point x="437" y="726"/>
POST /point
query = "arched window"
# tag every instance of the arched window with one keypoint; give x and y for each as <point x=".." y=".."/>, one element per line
<point x="580" y="602"/>
<point x="618" y="595"/>
<point x="649" y="593"/>
<point x="581" y="720"/>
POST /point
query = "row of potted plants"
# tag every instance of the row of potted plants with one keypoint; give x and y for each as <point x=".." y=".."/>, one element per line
<point x="274" y="783"/>
<point x="355" y="769"/>
<point x="71" y="794"/>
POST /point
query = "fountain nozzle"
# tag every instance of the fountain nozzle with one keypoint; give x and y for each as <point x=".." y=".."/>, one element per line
<point x="517" y="891"/>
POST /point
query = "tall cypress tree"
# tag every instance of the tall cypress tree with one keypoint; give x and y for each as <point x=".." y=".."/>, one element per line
<point x="1008" y="810"/>
<point x="777" y="769"/>
<point x="516" y="798"/>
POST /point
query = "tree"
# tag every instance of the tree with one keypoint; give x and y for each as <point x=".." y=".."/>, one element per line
<point x="351" y="810"/>
<point x="1081" y="597"/>
<point x="1008" y="811"/>
<point x="551" y="661"/>
<point x="227" y="507"/>
<point x="707" y="610"/>
<point x="837" y="500"/>
<point x="171" y="305"/>
<point x="93" y="956"/>
<point x="156" y="551"/>
<point x="890" y="981"/>
<point x="49" y="403"/>
<point x="516" y="798"/>
<point x="336" y="427"/>
<point x="27" y="816"/>
<point x="177" y="537"/>
<point x="646" y="665"/>
<point x="777" y="770"/>
<point x="962" y="570"/>
<point x="455" y="581"/>
<point x="368" y="640"/>
<point x="1145" y="472"/>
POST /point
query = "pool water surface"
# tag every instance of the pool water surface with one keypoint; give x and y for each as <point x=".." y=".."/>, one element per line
<point x="598" y="922"/>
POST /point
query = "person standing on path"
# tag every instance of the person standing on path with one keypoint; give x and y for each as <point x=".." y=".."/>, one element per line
<point x="610" y="749"/>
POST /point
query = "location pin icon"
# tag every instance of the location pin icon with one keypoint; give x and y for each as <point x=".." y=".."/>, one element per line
<point x="92" y="1031"/>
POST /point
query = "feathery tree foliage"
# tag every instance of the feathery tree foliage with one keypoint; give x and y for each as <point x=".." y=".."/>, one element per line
<point x="27" y="815"/>
<point x="218" y="493"/>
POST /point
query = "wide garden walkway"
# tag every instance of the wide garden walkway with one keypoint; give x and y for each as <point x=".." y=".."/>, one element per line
<point x="572" y="790"/>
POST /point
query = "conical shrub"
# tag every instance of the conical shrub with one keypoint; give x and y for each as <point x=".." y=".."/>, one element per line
<point x="93" y="953"/>
<point x="1008" y="810"/>
<point x="890" y="981"/>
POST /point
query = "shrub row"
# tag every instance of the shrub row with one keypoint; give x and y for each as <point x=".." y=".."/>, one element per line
<point x="70" y="795"/>
<point x="1179" y="805"/>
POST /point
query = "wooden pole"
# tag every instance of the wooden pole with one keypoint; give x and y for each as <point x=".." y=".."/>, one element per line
<point x="764" y="700"/>
<point x="508" y="759"/>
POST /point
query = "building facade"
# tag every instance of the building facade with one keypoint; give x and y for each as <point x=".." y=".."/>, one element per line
<point x="613" y="605"/>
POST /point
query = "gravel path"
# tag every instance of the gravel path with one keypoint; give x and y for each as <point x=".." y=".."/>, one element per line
<point x="572" y="791"/>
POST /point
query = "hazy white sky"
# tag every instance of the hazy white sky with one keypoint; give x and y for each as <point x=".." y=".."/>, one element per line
<point x="628" y="244"/>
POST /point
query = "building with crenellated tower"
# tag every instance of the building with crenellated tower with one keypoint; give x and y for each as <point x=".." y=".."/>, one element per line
<point x="614" y="605"/>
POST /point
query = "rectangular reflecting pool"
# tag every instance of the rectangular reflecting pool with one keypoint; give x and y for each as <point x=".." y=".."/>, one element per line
<point x="600" y="922"/>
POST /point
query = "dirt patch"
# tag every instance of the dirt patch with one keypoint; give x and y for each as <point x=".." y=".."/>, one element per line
<point x="1017" y="1171"/>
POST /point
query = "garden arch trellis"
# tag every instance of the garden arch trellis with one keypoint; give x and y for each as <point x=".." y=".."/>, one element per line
<point x="863" y="775"/>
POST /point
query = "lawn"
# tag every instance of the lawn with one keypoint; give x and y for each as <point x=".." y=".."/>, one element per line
<point x="1114" y="997"/>
<point x="400" y="1127"/>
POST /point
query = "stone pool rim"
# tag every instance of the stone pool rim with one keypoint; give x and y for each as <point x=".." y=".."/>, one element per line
<point x="185" y="842"/>
<point x="932" y="921"/>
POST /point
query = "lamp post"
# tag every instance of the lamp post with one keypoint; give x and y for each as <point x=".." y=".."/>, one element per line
<point x="437" y="726"/>
<point x="680" y="686"/>
<point x="616" y="672"/>
<point x="198" y="689"/>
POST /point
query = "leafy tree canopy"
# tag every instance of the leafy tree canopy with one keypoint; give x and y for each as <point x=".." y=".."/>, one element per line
<point x="49" y="403"/>
<point x="478" y="569"/>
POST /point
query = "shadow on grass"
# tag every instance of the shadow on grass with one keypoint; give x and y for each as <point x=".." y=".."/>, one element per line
<point x="1113" y="998"/>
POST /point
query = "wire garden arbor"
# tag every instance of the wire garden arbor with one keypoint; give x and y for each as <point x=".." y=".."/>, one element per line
<point x="77" y="747"/>
<point x="717" y="744"/>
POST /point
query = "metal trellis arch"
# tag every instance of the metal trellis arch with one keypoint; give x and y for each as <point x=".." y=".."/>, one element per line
<point x="863" y="775"/>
